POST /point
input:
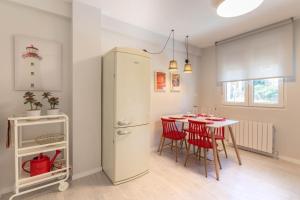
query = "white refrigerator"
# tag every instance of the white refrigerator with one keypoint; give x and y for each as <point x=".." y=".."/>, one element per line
<point x="125" y="114"/>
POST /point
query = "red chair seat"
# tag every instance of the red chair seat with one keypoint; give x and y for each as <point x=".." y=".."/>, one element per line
<point x="175" y="135"/>
<point x="201" y="143"/>
<point x="218" y="137"/>
<point x="170" y="130"/>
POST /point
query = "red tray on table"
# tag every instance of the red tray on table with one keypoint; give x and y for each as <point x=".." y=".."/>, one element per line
<point x="189" y="115"/>
<point x="216" y="119"/>
<point x="177" y="117"/>
<point x="202" y="115"/>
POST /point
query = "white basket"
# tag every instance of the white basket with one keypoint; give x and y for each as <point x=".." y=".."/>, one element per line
<point x="49" y="138"/>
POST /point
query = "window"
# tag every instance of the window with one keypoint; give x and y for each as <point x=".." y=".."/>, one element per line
<point x="261" y="92"/>
<point x="267" y="92"/>
<point x="235" y="92"/>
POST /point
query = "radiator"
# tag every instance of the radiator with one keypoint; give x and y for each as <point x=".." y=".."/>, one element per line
<point x="254" y="136"/>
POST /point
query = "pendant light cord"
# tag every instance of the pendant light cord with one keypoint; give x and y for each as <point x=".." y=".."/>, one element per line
<point x="173" y="43"/>
<point x="164" y="47"/>
<point x="187" y="48"/>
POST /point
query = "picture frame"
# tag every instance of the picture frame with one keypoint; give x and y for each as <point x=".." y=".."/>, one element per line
<point x="38" y="64"/>
<point x="160" y="81"/>
<point x="175" y="82"/>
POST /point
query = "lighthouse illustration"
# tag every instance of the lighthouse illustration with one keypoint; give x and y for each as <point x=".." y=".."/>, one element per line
<point x="32" y="67"/>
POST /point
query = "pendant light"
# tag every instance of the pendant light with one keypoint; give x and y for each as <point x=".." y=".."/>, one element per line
<point x="187" y="67"/>
<point x="234" y="8"/>
<point x="173" y="63"/>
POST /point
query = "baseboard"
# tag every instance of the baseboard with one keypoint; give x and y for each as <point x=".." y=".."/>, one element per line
<point x="86" y="173"/>
<point x="6" y="190"/>
<point x="289" y="159"/>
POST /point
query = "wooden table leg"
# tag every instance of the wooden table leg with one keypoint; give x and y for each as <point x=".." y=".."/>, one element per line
<point x="234" y="145"/>
<point x="217" y="168"/>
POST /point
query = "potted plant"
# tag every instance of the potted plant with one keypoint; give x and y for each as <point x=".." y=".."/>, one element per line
<point x="53" y="101"/>
<point x="33" y="103"/>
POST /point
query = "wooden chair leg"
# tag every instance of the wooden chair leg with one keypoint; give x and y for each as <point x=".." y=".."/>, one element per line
<point x="199" y="156"/>
<point x="205" y="161"/>
<point x="218" y="157"/>
<point x="198" y="152"/>
<point x="162" y="145"/>
<point x="172" y="144"/>
<point x="159" y="147"/>
<point x="186" y="146"/>
<point x="224" y="148"/>
<point x="181" y="144"/>
<point x="187" y="154"/>
<point x="176" y="146"/>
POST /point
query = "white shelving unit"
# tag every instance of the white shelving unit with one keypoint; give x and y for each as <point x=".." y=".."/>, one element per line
<point x="24" y="183"/>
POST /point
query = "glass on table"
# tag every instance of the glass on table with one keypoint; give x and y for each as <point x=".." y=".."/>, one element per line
<point x="203" y="110"/>
<point x="195" y="110"/>
<point x="211" y="111"/>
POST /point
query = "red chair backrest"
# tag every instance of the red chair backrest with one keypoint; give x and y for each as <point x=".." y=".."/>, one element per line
<point x="169" y="127"/>
<point x="197" y="130"/>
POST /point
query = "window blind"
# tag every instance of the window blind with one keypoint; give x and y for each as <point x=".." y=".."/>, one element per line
<point x="264" y="53"/>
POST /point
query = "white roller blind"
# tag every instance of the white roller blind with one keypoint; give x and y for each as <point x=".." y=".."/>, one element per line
<point x="265" y="53"/>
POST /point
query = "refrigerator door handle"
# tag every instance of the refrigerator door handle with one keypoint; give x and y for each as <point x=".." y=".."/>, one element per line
<point x="123" y="123"/>
<point x="124" y="132"/>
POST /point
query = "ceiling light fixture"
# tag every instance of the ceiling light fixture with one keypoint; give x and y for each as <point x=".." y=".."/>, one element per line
<point x="234" y="8"/>
<point x="187" y="66"/>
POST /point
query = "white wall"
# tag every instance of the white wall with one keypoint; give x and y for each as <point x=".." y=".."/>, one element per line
<point x="285" y="120"/>
<point x="86" y="89"/>
<point x="16" y="19"/>
<point x="161" y="103"/>
<point x="57" y="7"/>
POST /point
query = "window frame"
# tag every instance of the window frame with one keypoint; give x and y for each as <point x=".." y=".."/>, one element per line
<point x="249" y="90"/>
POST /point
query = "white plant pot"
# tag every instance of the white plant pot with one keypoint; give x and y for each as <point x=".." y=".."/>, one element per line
<point x="53" y="112"/>
<point x="33" y="113"/>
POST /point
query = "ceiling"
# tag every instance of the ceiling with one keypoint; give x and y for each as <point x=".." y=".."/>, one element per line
<point x="197" y="18"/>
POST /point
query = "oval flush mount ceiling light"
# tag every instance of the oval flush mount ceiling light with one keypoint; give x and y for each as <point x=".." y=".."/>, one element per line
<point x="234" y="8"/>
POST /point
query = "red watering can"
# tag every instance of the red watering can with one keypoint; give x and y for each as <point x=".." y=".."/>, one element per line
<point x="40" y="164"/>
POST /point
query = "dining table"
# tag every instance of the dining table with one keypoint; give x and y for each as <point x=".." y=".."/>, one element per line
<point x="212" y="123"/>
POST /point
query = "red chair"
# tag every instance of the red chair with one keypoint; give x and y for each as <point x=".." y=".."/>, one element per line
<point x="170" y="131"/>
<point x="220" y="135"/>
<point x="199" y="137"/>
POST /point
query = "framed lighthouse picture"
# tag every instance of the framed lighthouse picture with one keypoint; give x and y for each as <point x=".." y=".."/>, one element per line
<point x="38" y="64"/>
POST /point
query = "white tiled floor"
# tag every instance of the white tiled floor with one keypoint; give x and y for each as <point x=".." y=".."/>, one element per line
<point x="259" y="178"/>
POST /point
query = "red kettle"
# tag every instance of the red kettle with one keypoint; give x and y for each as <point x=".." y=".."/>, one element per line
<point x="40" y="164"/>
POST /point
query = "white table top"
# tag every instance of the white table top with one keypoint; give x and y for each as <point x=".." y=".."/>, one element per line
<point x="213" y="124"/>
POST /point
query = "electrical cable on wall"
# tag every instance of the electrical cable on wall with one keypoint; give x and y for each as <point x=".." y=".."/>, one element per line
<point x="165" y="45"/>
